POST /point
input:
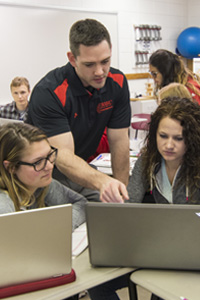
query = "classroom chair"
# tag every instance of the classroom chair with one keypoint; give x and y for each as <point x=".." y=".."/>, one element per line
<point x="141" y="125"/>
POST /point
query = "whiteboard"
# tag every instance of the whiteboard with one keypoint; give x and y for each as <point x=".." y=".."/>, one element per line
<point x="34" y="40"/>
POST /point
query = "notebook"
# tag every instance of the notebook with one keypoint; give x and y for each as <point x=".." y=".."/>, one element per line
<point x="5" y="121"/>
<point x="35" y="244"/>
<point x="159" y="236"/>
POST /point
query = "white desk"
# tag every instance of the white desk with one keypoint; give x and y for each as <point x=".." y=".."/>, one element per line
<point x="169" y="285"/>
<point x="142" y="105"/>
<point x="137" y="119"/>
<point x="103" y="162"/>
<point x="87" y="277"/>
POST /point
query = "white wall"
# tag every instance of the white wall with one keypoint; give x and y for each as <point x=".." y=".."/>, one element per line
<point x="193" y="13"/>
<point x="172" y="15"/>
<point x="34" y="40"/>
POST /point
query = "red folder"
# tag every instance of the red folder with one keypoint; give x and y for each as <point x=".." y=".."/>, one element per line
<point x="36" y="285"/>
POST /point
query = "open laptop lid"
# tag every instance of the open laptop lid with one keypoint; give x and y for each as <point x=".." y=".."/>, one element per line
<point x="35" y="244"/>
<point x="144" y="235"/>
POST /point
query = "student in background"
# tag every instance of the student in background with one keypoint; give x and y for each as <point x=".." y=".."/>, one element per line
<point x="74" y="104"/>
<point x="17" y="110"/>
<point x="167" y="67"/>
<point x="26" y="165"/>
<point x="174" y="89"/>
<point x="169" y="165"/>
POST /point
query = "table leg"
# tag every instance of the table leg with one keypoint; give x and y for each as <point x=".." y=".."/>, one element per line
<point x="132" y="291"/>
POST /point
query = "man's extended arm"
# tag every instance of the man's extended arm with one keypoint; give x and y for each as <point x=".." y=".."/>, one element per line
<point x="119" y="147"/>
<point x="77" y="170"/>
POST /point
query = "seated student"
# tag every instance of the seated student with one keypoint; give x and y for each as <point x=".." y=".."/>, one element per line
<point x="174" y="89"/>
<point x="17" y="110"/>
<point x="26" y="164"/>
<point x="169" y="165"/>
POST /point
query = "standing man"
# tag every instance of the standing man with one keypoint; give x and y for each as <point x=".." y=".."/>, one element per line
<point x="17" y="109"/>
<point x="74" y="104"/>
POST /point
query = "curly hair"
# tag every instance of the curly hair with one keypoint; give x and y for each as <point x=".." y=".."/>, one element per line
<point x="88" y="32"/>
<point x="14" y="138"/>
<point x="172" y="68"/>
<point x="188" y="114"/>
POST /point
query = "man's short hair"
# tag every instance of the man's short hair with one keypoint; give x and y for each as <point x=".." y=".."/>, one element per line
<point x="17" y="81"/>
<point x="88" y="32"/>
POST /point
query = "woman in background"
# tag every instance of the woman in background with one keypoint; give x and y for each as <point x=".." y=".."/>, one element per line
<point x="26" y="164"/>
<point x="167" y="67"/>
<point x="169" y="165"/>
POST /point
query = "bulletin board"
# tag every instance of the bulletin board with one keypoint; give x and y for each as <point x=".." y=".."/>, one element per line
<point x="34" y="40"/>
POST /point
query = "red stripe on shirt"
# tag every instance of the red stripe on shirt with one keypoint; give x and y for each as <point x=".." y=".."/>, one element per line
<point x="61" y="91"/>
<point x="119" y="78"/>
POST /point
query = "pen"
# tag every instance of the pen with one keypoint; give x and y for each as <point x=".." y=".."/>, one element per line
<point x="99" y="156"/>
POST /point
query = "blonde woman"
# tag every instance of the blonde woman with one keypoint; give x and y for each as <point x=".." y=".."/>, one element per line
<point x="174" y="89"/>
<point x="26" y="164"/>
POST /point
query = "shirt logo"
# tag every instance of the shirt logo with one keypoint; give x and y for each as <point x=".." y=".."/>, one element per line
<point x="75" y="115"/>
<point x="104" y="106"/>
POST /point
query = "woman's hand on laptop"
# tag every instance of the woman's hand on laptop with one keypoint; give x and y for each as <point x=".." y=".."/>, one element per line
<point x="113" y="191"/>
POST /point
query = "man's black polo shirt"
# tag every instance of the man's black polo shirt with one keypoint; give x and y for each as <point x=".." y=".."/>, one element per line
<point x="60" y="103"/>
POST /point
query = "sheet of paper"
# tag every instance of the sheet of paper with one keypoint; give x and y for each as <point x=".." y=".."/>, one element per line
<point x="103" y="162"/>
<point x="79" y="240"/>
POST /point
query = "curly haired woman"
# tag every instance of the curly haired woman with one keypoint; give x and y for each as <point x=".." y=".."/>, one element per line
<point x="169" y="165"/>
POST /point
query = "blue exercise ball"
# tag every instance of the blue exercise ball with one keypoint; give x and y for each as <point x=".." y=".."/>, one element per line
<point x="188" y="42"/>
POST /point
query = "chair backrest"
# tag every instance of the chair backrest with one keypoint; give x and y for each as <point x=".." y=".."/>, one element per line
<point x="143" y="125"/>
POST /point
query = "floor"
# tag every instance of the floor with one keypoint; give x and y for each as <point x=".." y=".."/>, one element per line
<point x="123" y="294"/>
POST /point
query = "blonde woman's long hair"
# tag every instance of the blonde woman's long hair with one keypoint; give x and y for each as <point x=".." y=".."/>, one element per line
<point x="14" y="138"/>
<point x="174" y="89"/>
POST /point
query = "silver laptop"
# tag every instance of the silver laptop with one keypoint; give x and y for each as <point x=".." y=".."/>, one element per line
<point x="5" y="121"/>
<point x="144" y="235"/>
<point x="35" y="244"/>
